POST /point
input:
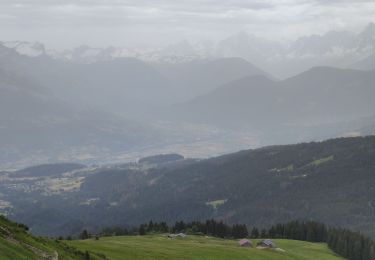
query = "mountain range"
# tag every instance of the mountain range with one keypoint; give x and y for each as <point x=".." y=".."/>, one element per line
<point x="108" y="110"/>
<point x="334" y="48"/>
<point x="322" y="96"/>
<point x="202" y="76"/>
<point x="37" y="125"/>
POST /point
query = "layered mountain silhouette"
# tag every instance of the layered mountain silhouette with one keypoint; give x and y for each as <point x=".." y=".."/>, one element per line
<point x="319" y="95"/>
<point x="199" y="77"/>
<point x="71" y="109"/>
<point x="37" y="126"/>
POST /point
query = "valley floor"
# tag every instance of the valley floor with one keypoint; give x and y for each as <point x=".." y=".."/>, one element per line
<point x="199" y="247"/>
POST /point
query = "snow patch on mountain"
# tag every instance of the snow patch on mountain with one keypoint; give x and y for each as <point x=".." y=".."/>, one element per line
<point x="31" y="49"/>
<point x="334" y="48"/>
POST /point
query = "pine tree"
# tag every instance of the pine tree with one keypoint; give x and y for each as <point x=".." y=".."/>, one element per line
<point x="84" y="235"/>
<point x="150" y="227"/>
<point x="263" y="233"/>
<point x="254" y="233"/>
<point x="142" y="230"/>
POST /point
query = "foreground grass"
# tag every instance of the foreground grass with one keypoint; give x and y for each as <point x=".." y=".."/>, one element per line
<point x="17" y="244"/>
<point x="198" y="247"/>
<point x="12" y="251"/>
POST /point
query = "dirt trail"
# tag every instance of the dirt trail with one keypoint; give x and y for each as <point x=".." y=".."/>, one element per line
<point x="55" y="256"/>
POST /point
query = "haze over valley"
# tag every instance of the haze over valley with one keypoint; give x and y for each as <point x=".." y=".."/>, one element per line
<point x="173" y="130"/>
<point x="104" y="105"/>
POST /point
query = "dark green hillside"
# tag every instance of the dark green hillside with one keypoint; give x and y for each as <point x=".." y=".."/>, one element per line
<point x="16" y="243"/>
<point x="161" y="158"/>
<point x="331" y="182"/>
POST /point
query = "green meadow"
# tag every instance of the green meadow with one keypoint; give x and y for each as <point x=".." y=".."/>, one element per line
<point x="199" y="247"/>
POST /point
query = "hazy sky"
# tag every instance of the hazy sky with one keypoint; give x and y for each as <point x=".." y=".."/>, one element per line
<point x="67" y="23"/>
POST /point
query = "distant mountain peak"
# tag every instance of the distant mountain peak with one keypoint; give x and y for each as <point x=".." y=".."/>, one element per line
<point x="370" y="28"/>
<point x="333" y="48"/>
<point x="367" y="38"/>
<point x="31" y="49"/>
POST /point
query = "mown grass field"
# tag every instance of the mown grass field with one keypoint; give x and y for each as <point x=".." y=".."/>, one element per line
<point x="199" y="247"/>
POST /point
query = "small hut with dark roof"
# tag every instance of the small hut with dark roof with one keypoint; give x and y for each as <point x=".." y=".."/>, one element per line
<point x="266" y="243"/>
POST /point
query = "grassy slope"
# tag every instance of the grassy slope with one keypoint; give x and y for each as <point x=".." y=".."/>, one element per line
<point x="13" y="251"/>
<point x="15" y="243"/>
<point x="196" y="247"/>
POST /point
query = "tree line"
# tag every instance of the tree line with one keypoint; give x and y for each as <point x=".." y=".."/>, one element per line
<point x="310" y="231"/>
<point x="212" y="227"/>
<point x="346" y="243"/>
<point x="209" y="227"/>
<point x="351" y="245"/>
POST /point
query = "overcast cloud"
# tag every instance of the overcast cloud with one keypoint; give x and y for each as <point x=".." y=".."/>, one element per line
<point x="67" y="23"/>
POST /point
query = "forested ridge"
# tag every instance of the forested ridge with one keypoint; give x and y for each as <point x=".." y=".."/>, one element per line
<point x="331" y="182"/>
